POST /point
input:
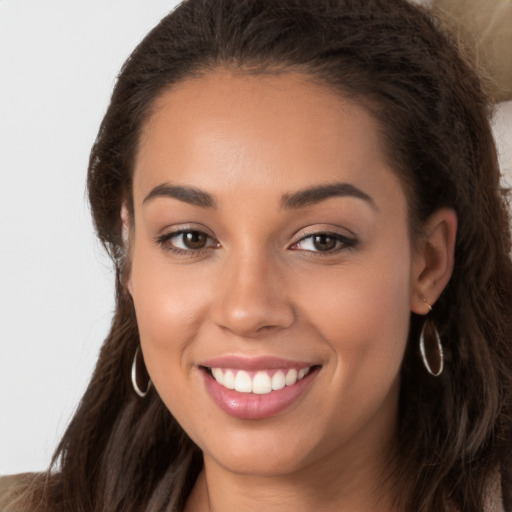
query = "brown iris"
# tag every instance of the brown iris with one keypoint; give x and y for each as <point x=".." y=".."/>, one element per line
<point x="194" y="239"/>
<point x="324" y="242"/>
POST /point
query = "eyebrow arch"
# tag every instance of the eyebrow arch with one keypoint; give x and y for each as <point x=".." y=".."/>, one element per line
<point x="313" y="195"/>
<point x="188" y="195"/>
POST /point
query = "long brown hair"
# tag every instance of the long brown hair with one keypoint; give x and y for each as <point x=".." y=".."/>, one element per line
<point x="123" y="453"/>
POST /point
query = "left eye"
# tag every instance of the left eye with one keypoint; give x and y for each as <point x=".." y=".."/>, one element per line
<point x="323" y="242"/>
<point x="190" y="240"/>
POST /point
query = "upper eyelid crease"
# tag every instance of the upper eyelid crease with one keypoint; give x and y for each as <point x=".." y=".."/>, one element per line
<point x="162" y="239"/>
<point x="346" y="240"/>
<point x="338" y="231"/>
<point x="172" y="234"/>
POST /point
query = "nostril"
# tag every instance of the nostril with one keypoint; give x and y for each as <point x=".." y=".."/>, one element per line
<point x="253" y="318"/>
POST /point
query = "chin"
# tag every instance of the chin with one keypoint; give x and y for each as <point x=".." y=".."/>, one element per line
<point x="270" y="464"/>
<point x="262" y="454"/>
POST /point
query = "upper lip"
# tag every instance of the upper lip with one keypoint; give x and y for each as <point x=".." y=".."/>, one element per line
<point x="255" y="363"/>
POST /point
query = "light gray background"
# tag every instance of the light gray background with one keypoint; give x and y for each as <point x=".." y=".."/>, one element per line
<point x="58" y="62"/>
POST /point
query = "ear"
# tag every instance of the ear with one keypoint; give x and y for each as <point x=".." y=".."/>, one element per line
<point x="125" y="236"/>
<point x="433" y="258"/>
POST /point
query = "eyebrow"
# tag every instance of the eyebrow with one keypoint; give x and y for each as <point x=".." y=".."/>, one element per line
<point x="188" y="195"/>
<point x="299" y="199"/>
<point x="313" y="195"/>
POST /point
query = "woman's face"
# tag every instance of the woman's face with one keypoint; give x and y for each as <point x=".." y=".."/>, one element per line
<point x="271" y="240"/>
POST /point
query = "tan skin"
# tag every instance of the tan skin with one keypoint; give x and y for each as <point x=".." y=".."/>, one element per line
<point x="258" y="282"/>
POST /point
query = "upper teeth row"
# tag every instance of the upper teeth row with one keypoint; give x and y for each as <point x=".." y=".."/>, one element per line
<point x="261" y="382"/>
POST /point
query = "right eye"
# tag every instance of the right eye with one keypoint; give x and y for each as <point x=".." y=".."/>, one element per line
<point x="186" y="240"/>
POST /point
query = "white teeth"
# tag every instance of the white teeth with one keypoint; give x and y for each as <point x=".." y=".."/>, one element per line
<point x="278" y="380"/>
<point x="261" y="383"/>
<point x="217" y="375"/>
<point x="291" y="377"/>
<point x="243" y="382"/>
<point x="228" y="380"/>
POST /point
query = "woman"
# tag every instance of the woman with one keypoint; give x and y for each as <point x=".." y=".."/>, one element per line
<point x="314" y="308"/>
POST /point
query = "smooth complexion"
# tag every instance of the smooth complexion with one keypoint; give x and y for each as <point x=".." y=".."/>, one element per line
<point x="269" y="230"/>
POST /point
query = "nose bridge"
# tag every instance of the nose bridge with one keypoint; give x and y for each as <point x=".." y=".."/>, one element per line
<point x="251" y="297"/>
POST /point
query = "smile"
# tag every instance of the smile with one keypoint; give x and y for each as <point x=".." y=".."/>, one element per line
<point x="255" y="389"/>
<point x="261" y="382"/>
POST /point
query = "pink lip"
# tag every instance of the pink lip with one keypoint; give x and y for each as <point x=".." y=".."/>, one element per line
<point x="255" y="363"/>
<point x="251" y="406"/>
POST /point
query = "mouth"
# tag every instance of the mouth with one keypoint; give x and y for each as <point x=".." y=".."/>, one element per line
<point x="254" y="391"/>
<point x="260" y="382"/>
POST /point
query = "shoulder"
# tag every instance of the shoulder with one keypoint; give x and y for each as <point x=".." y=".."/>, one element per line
<point x="12" y="487"/>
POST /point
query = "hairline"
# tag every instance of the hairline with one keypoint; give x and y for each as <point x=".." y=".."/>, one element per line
<point x="372" y="106"/>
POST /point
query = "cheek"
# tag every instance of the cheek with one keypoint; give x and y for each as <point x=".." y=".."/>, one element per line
<point x="169" y="303"/>
<point x="363" y="313"/>
<point x="169" y="307"/>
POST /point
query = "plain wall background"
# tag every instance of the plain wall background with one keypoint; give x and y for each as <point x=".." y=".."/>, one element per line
<point x="58" y="62"/>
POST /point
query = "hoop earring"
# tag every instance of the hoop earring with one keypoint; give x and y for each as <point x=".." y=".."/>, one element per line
<point x="431" y="348"/>
<point x="139" y="391"/>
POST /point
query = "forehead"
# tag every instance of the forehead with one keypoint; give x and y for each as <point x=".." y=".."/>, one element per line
<point x="226" y="132"/>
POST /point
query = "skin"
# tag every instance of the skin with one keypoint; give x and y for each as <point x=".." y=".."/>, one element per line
<point x="261" y="287"/>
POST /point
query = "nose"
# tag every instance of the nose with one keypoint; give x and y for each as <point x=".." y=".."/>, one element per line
<point x="252" y="298"/>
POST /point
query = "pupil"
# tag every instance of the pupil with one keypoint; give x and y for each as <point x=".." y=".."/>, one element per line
<point x="194" y="240"/>
<point x="324" y="242"/>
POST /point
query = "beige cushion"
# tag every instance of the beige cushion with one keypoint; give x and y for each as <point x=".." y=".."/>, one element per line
<point x="484" y="30"/>
<point x="11" y="488"/>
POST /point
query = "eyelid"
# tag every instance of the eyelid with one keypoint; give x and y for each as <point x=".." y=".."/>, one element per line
<point x="169" y="233"/>
<point x="347" y="241"/>
<point x="183" y="227"/>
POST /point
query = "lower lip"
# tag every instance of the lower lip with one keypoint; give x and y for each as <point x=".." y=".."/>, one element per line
<point x="251" y="406"/>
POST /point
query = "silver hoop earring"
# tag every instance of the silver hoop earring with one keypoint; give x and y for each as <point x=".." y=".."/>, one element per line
<point x="139" y="391"/>
<point x="431" y="349"/>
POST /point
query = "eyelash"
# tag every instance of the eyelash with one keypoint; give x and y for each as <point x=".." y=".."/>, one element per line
<point x="343" y="242"/>
<point x="164" y="241"/>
